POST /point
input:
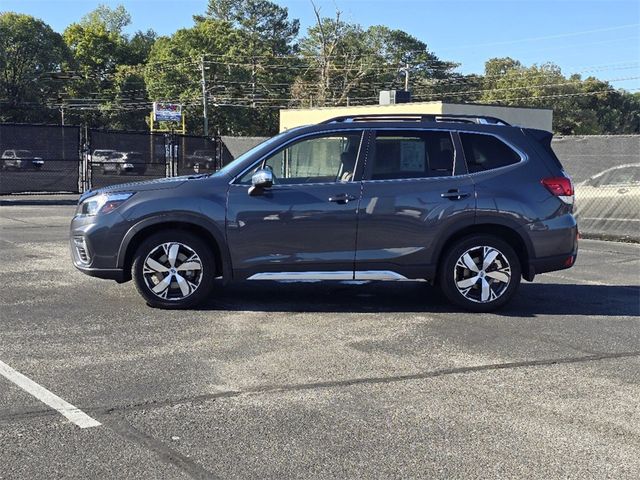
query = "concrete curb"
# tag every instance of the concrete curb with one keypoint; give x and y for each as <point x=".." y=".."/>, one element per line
<point x="37" y="200"/>
<point x="18" y="203"/>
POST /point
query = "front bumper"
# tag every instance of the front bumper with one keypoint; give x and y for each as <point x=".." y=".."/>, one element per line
<point x="95" y="243"/>
<point x="116" y="274"/>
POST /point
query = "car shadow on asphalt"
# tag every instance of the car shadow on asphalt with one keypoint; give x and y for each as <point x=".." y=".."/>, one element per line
<point x="532" y="299"/>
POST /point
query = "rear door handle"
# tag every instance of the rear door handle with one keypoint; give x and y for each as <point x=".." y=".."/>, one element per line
<point x="454" y="195"/>
<point x="342" y="198"/>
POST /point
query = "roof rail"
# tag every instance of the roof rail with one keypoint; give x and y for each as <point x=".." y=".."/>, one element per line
<point x="418" y="117"/>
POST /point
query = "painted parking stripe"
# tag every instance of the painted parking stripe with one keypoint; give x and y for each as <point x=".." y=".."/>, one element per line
<point x="74" y="414"/>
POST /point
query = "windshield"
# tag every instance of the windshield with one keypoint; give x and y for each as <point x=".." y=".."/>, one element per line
<point x="230" y="166"/>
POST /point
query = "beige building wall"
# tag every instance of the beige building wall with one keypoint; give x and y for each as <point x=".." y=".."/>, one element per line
<point x="525" y="117"/>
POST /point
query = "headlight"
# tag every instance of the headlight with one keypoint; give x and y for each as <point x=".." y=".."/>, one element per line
<point x="102" y="203"/>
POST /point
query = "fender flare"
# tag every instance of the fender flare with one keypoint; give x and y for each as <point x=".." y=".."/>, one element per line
<point x="187" y="218"/>
<point x="488" y="221"/>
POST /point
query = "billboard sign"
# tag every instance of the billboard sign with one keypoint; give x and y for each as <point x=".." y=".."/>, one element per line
<point x="167" y="112"/>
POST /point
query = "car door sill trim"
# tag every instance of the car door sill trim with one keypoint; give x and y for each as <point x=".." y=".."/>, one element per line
<point x="385" y="275"/>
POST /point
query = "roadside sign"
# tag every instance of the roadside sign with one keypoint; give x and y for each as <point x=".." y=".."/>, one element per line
<point x="167" y="112"/>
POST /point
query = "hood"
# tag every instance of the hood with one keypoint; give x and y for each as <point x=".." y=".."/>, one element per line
<point x="145" y="186"/>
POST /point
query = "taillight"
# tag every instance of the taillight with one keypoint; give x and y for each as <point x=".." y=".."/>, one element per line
<point x="560" y="187"/>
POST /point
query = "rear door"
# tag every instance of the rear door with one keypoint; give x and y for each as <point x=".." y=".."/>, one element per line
<point x="415" y="189"/>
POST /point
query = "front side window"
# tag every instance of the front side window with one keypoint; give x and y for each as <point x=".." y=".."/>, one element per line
<point x="486" y="152"/>
<point x="412" y="154"/>
<point x="315" y="160"/>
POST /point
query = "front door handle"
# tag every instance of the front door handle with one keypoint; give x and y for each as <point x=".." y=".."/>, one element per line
<point x="342" y="198"/>
<point x="454" y="195"/>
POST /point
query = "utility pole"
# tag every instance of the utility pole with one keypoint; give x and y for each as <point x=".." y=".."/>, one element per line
<point x="62" y="115"/>
<point x="406" y="77"/>
<point x="205" y="119"/>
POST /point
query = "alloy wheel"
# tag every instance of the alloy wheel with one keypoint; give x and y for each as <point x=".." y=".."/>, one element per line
<point x="172" y="271"/>
<point x="482" y="274"/>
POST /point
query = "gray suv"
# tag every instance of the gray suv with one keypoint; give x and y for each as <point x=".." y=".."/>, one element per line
<point x="471" y="204"/>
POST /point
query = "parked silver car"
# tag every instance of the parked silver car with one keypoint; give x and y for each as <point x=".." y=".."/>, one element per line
<point x="21" y="160"/>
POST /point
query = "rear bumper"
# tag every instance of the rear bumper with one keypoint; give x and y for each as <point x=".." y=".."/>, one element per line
<point x="555" y="262"/>
<point x="552" y="264"/>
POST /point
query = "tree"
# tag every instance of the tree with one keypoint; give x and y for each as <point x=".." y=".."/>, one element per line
<point x="112" y="19"/>
<point x="173" y="72"/>
<point x="31" y="53"/>
<point x="100" y="49"/>
<point x="139" y="47"/>
<point x="263" y="70"/>
<point x="581" y="106"/>
<point x="346" y="62"/>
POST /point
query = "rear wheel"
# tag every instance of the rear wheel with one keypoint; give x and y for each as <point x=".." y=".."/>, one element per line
<point x="480" y="273"/>
<point x="174" y="270"/>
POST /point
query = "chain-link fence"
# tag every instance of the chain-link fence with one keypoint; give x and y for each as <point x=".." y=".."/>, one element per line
<point x="46" y="158"/>
<point x="121" y="157"/>
<point x="56" y="159"/>
<point x="197" y="154"/>
<point x="39" y="158"/>
<point x="606" y="175"/>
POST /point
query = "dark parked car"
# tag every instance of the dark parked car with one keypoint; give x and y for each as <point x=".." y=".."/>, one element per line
<point x="469" y="203"/>
<point x="205" y="159"/>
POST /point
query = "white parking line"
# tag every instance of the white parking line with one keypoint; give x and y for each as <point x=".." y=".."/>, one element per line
<point x="74" y="414"/>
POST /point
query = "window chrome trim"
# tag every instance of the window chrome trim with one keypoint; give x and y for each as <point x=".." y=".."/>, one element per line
<point x="361" y="131"/>
<point x="523" y="155"/>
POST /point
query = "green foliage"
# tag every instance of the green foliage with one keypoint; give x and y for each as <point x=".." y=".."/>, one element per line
<point x="256" y="62"/>
<point x="31" y="53"/>
<point x="100" y="54"/>
<point x="113" y="19"/>
<point x="581" y="106"/>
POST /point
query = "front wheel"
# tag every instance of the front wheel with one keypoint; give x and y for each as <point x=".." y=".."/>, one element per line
<point x="174" y="270"/>
<point x="480" y="273"/>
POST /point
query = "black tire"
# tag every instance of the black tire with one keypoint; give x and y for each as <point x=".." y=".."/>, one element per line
<point x="150" y="246"/>
<point x="474" y="302"/>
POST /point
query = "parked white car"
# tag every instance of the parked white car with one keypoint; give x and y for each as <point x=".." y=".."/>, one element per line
<point x="124" y="162"/>
<point x="610" y="200"/>
<point x="21" y="160"/>
<point x="100" y="156"/>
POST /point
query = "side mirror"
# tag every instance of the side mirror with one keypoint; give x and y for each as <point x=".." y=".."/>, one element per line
<point x="260" y="180"/>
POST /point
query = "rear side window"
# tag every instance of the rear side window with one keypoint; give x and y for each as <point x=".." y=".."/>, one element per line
<point x="412" y="154"/>
<point x="486" y="152"/>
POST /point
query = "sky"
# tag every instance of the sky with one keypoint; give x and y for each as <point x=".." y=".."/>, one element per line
<point x="592" y="37"/>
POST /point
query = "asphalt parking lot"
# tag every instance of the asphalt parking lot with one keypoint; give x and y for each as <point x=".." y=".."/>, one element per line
<point x="316" y="380"/>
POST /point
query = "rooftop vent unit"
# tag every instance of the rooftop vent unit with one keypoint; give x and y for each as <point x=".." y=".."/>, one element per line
<point x="391" y="97"/>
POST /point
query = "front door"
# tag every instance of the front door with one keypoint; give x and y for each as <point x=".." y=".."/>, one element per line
<point x="415" y="189"/>
<point x="305" y="225"/>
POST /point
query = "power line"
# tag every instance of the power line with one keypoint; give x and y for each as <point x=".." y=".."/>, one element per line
<point x="548" y="37"/>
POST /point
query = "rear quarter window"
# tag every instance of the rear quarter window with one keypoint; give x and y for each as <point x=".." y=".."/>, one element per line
<point x="486" y="152"/>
